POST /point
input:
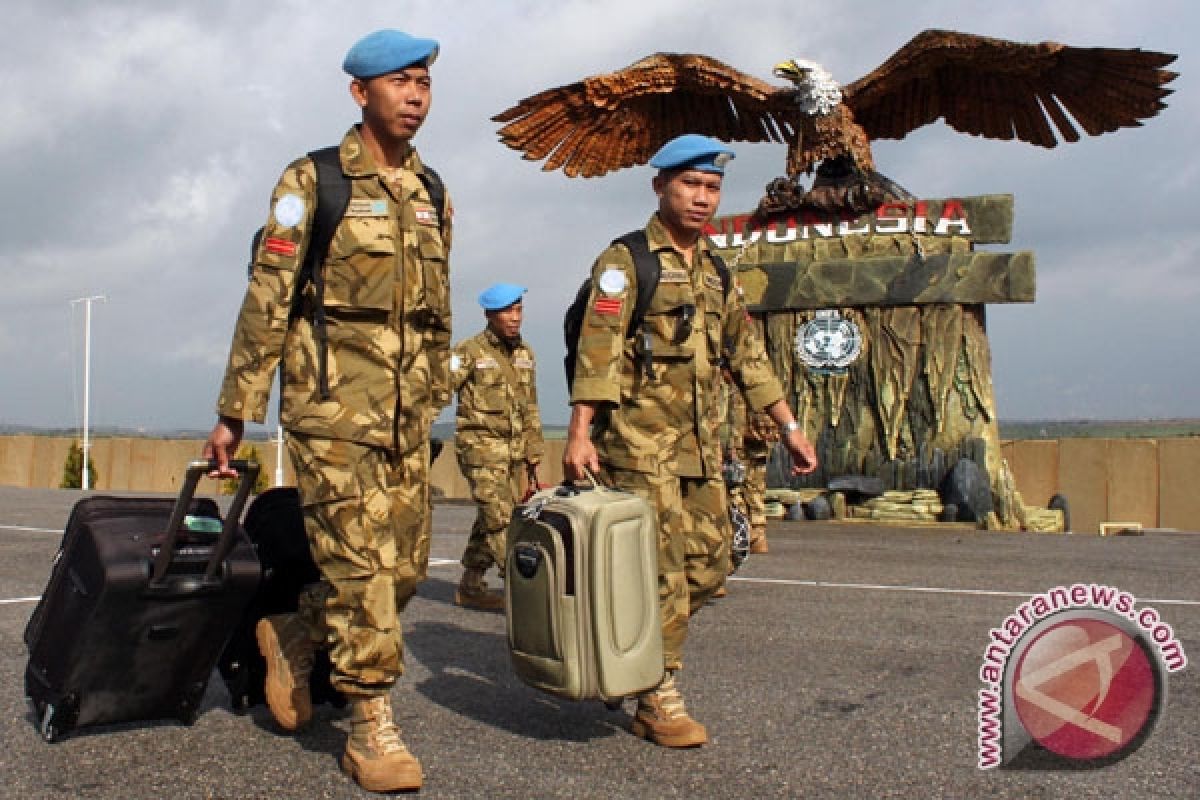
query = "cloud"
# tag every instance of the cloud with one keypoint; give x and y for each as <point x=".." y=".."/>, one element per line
<point x="139" y="142"/>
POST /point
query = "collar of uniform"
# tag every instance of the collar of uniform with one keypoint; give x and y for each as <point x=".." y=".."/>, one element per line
<point x="357" y="161"/>
<point x="495" y="341"/>
<point x="658" y="240"/>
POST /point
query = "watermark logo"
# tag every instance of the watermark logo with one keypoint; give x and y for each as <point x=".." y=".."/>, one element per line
<point x="1076" y="675"/>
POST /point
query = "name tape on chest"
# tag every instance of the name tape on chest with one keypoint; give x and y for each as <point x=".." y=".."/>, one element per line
<point x="520" y="362"/>
<point x="486" y="362"/>
<point x="673" y="276"/>
<point x="713" y="281"/>
<point x="366" y="207"/>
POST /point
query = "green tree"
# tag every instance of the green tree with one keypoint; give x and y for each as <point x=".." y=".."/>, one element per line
<point x="72" y="477"/>
<point x="248" y="452"/>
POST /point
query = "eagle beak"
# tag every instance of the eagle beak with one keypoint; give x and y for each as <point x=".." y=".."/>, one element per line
<point x="786" y="69"/>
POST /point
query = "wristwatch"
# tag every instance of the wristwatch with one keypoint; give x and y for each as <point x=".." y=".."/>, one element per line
<point x="788" y="427"/>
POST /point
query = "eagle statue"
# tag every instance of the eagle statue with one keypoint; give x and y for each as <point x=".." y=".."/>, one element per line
<point x="979" y="85"/>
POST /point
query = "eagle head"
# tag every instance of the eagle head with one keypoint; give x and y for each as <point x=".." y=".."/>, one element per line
<point x="816" y="90"/>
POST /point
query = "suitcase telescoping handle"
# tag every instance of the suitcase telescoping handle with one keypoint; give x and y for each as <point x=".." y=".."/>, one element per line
<point x="247" y="475"/>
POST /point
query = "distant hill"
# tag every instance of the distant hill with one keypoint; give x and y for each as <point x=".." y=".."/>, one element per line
<point x="1098" y="429"/>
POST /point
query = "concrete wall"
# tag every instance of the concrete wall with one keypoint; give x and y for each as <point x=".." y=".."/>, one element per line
<point x="1150" y="481"/>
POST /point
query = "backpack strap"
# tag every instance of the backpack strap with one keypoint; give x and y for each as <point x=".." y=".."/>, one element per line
<point x="437" y="192"/>
<point x="648" y="271"/>
<point x="333" y="197"/>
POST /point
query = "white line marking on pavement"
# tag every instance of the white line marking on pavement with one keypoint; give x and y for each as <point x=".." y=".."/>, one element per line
<point x="1142" y="601"/>
<point x="29" y="530"/>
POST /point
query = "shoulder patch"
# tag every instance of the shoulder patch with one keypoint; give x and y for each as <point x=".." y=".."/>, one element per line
<point x="612" y="281"/>
<point x="289" y="210"/>
<point x="455" y="362"/>
<point x="712" y="281"/>
<point x="608" y="306"/>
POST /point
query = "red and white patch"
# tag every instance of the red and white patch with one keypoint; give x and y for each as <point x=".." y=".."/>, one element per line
<point x="425" y="215"/>
<point x="280" y="247"/>
<point x="608" y="306"/>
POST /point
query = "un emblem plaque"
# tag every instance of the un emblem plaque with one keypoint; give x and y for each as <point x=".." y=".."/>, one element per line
<point x="828" y="343"/>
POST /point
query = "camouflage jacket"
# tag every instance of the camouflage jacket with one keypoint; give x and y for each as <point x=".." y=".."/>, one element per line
<point x="497" y="418"/>
<point x="387" y="303"/>
<point x="667" y="424"/>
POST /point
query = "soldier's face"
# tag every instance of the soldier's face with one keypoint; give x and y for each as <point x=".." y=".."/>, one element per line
<point x="394" y="104"/>
<point x="506" y="323"/>
<point x="688" y="199"/>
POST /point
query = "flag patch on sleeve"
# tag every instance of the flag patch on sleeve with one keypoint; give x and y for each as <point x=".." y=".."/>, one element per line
<point x="609" y="306"/>
<point x="280" y="247"/>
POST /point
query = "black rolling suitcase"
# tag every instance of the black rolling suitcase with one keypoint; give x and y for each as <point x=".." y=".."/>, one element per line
<point x="142" y="596"/>
<point x="275" y="524"/>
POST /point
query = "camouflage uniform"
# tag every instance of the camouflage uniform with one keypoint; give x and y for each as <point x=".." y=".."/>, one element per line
<point x="498" y="431"/>
<point x="659" y="436"/>
<point x="361" y="457"/>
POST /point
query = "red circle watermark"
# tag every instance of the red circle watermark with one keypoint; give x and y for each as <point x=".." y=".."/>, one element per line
<point x="1085" y="689"/>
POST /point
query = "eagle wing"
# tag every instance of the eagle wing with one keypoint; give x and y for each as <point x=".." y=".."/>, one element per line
<point x="620" y="119"/>
<point x="1004" y="90"/>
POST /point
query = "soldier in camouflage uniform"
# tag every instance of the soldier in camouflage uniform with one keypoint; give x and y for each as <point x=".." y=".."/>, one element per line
<point x="747" y="439"/>
<point x="498" y="433"/>
<point x="361" y="449"/>
<point x="645" y="409"/>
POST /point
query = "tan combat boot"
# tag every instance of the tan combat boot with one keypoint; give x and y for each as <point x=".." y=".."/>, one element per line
<point x="758" y="541"/>
<point x="473" y="592"/>
<point x="375" y="757"/>
<point x="284" y="644"/>
<point x="662" y="718"/>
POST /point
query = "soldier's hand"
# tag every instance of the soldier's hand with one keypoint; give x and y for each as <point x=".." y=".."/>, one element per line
<point x="579" y="454"/>
<point x="222" y="444"/>
<point x="804" y="456"/>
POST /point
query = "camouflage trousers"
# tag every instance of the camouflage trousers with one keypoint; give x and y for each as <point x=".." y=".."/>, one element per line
<point x="495" y="488"/>
<point x="367" y="516"/>
<point x="693" y="545"/>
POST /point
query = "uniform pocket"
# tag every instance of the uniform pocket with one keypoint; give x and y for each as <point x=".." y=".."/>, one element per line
<point x="361" y="270"/>
<point x="435" y="277"/>
<point x="489" y="393"/>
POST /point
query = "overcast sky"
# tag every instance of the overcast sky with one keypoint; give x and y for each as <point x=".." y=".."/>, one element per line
<point x="139" y="142"/>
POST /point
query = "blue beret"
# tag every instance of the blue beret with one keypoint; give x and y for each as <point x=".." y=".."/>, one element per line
<point x="693" y="151"/>
<point x="386" y="51"/>
<point x="500" y="296"/>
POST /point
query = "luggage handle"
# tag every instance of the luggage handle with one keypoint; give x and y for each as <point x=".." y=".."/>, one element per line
<point x="247" y="475"/>
<point x="569" y="488"/>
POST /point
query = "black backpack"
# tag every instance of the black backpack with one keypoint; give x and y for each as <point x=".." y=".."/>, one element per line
<point x="333" y="197"/>
<point x="648" y="271"/>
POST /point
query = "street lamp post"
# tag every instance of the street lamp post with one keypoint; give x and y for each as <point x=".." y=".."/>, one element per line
<point x="84" y="477"/>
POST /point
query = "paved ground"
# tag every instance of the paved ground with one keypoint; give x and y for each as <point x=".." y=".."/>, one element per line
<point x="842" y="664"/>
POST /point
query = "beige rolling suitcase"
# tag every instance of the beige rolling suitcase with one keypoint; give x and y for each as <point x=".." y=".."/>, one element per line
<point x="581" y="586"/>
